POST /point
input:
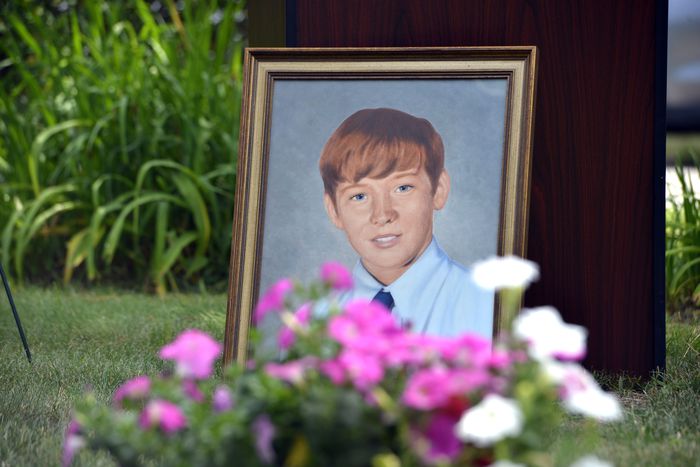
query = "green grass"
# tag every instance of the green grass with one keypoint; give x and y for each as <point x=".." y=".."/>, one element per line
<point x="93" y="339"/>
<point x="662" y="420"/>
<point x="100" y="338"/>
<point x="660" y="426"/>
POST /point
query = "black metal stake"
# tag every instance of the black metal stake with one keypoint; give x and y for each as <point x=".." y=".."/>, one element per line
<point x="14" y="312"/>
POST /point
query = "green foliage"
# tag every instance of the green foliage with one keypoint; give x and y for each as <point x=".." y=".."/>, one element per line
<point x="683" y="242"/>
<point x="118" y="139"/>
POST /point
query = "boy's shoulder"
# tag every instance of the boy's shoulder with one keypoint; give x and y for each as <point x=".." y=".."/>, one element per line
<point x="459" y="277"/>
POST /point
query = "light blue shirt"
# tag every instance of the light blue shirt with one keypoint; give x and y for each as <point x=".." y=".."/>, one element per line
<point x="436" y="295"/>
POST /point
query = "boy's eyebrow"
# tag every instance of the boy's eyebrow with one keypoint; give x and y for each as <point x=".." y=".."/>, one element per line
<point x="405" y="173"/>
<point x="359" y="185"/>
<point x="351" y="186"/>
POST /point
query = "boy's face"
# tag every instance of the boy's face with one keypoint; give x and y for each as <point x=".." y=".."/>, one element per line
<point x="388" y="221"/>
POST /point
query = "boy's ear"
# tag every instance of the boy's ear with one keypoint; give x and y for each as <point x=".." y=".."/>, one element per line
<point x="442" y="191"/>
<point x="330" y="209"/>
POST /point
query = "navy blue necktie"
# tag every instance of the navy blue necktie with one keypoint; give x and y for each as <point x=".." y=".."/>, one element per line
<point x="385" y="299"/>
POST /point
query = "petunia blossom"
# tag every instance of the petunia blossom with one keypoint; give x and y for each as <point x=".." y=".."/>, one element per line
<point x="466" y="380"/>
<point x="163" y="414"/>
<point x="72" y="443"/>
<point x="598" y="404"/>
<point x="491" y="420"/>
<point x="364" y="370"/>
<point x="291" y="371"/>
<point x="222" y="399"/>
<point x="504" y="272"/>
<point x="264" y="432"/>
<point x="367" y="328"/>
<point x="547" y="335"/>
<point x="135" y="388"/>
<point x="370" y="316"/>
<point x="273" y="299"/>
<point x="427" y="389"/>
<point x="194" y="353"/>
<point x="580" y="392"/>
<point x="301" y="317"/>
<point x="467" y="349"/>
<point x="441" y="443"/>
<point x="336" y="275"/>
<point x="191" y="390"/>
<point x="334" y="370"/>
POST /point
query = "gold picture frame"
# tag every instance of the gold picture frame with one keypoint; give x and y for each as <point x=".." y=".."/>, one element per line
<point x="285" y="95"/>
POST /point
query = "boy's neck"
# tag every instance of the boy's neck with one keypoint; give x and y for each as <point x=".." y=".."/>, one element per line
<point x="388" y="277"/>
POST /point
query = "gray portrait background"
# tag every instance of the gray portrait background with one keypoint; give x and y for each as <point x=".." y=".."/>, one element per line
<point x="469" y="115"/>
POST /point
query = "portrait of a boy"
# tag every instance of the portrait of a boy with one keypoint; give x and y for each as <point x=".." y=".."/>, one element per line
<point x="384" y="177"/>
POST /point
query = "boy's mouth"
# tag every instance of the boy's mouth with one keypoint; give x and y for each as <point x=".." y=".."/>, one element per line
<point x="386" y="241"/>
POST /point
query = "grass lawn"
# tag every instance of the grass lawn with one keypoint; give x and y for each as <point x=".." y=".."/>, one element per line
<point x="100" y="338"/>
<point x="82" y="339"/>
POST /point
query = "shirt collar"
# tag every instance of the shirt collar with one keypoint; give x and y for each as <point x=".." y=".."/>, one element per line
<point x="409" y="286"/>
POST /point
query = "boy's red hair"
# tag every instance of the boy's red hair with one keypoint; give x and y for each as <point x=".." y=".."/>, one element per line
<point x="377" y="142"/>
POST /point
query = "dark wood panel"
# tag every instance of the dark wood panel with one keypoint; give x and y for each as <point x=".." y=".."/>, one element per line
<point x="591" y="217"/>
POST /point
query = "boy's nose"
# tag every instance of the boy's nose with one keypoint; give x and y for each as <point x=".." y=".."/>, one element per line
<point x="382" y="211"/>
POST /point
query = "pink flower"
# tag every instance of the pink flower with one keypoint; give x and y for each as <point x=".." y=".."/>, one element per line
<point x="364" y="370"/>
<point x="463" y="381"/>
<point x="72" y="443"/>
<point x="426" y="349"/>
<point x="334" y="370"/>
<point x="500" y="359"/>
<point x="442" y="444"/>
<point x="370" y="315"/>
<point x="343" y="329"/>
<point x="264" y="432"/>
<point x="164" y="414"/>
<point x="273" y="299"/>
<point x="222" y="400"/>
<point x="365" y="326"/>
<point x="404" y="349"/>
<point x="336" y="275"/>
<point x="302" y="316"/>
<point x="135" y="388"/>
<point x="292" y="371"/>
<point x="189" y="387"/>
<point x="286" y="338"/>
<point x="194" y="353"/>
<point x="427" y="389"/>
<point x="468" y="349"/>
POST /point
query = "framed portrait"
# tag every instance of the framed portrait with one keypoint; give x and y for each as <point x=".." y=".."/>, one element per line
<point x="298" y="204"/>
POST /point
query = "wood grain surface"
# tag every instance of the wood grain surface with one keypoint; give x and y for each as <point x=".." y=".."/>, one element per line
<point x="592" y="228"/>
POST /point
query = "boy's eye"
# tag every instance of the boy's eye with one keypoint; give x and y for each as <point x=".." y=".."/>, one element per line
<point x="404" y="188"/>
<point x="359" y="197"/>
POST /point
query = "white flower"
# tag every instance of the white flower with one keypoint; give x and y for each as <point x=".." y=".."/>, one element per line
<point x="581" y="393"/>
<point x="591" y="461"/>
<point x="504" y="272"/>
<point x="491" y="420"/>
<point x="595" y="403"/>
<point x="506" y="464"/>
<point x="548" y="336"/>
